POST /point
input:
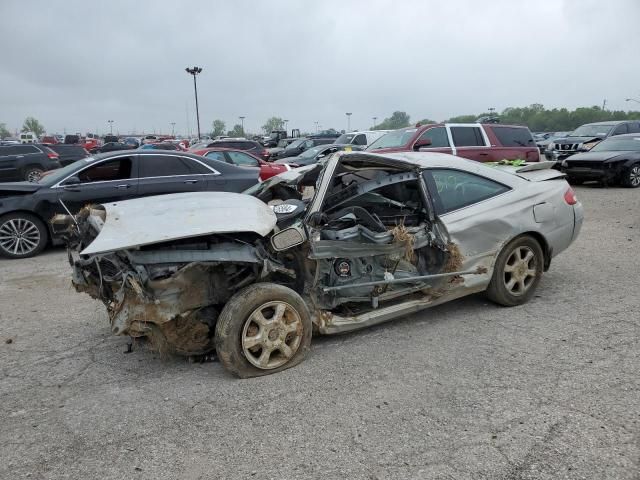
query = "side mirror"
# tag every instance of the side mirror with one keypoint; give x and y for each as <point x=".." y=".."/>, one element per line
<point x="422" y="142"/>
<point x="74" y="180"/>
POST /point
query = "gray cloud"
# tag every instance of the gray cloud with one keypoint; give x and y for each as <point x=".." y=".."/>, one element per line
<point x="75" y="64"/>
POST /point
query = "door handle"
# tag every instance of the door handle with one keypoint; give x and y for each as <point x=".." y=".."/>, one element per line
<point x="484" y="154"/>
<point x="19" y="156"/>
<point x="124" y="186"/>
<point x="191" y="181"/>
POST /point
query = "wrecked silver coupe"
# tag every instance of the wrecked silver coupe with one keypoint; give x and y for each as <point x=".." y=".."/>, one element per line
<point x="252" y="276"/>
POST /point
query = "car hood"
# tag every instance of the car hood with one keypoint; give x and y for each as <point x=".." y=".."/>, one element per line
<point x="144" y="221"/>
<point x="274" y="150"/>
<point x="18" y="188"/>
<point x="599" y="156"/>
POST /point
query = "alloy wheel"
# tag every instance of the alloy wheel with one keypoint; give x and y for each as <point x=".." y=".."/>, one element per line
<point x="634" y="176"/>
<point x="271" y="335"/>
<point x="34" y="175"/>
<point x="520" y="270"/>
<point x="19" y="236"/>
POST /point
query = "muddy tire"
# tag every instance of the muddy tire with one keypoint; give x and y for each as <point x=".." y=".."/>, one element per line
<point x="22" y="235"/>
<point x="517" y="272"/>
<point x="264" y="328"/>
<point x="631" y="176"/>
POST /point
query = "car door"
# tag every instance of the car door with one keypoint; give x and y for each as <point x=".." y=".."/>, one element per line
<point x="8" y="163"/>
<point x="469" y="141"/>
<point x="471" y="207"/>
<point x="168" y="173"/>
<point x="103" y="181"/>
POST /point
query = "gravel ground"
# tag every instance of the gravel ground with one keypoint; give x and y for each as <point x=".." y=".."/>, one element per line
<point x="548" y="390"/>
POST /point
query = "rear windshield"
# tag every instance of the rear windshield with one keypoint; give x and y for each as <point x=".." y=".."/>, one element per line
<point x="345" y="139"/>
<point x="513" y="136"/>
<point x="397" y="138"/>
<point x="617" y="144"/>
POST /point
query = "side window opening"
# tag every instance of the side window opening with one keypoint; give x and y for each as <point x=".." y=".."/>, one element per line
<point x="467" y="137"/>
<point x="438" y="137"/>
<point x="118" y="169"/>
<point x="454" y="189"/>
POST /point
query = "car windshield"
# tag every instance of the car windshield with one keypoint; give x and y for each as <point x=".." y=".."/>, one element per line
<point x="345" y="138"/>
<point x="397" y="138"/>
<point x="592" y="131"/>
<point x="617" y="144"/>
<point x="296" y="144"/>
<point x="59" y="174"/>
<point x="283" y="143"/>
<point x="312" y="152"/>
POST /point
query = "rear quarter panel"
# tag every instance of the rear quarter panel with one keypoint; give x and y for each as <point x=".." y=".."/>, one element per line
<point x="482" y="230"/>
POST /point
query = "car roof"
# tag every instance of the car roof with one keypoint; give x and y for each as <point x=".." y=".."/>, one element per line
<point x="625" y="135"/>
<point x="608" y="123"/>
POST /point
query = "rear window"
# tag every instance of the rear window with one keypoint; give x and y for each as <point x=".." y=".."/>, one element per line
<point x="513" y="136"/>
<point x="467" y="137"/>
<point x="22" y="149"/>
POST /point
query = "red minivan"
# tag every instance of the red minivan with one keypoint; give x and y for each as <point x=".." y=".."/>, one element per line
<point x="482" y="142"/>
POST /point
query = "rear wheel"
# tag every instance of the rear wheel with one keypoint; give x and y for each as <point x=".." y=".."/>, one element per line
<point x="33" y="173"/>
<point x="631" y="177"/>
<point x="22" y="235"/>
<point x="517" y="272"/>
<point x="264" y="328"/>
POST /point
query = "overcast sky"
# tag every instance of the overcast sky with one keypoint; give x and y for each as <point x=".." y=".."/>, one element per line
<point x="75" y="65"/>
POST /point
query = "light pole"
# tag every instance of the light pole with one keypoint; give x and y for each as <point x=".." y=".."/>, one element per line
<point x="316" y="126"/>
<point x="195" y="71"/>
<point x="631" y="100"/>
<point x="173" y="129"/>
<point x="374" y="122"/>
<point x="285" y="124"/>
<point x="110" y="122"/>
<point x="348" y="114"/>
<point x="242" y="123"/>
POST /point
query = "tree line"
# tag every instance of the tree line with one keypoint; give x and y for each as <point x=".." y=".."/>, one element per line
<point x="536" y="117"/>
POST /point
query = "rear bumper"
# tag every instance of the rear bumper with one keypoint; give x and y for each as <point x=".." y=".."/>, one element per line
<point x="598" y="171"/>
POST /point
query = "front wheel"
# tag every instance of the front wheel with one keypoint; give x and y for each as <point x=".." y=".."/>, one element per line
<point x="631" y="177"/>
<point x="517" y="272"/>
<point x="264" y="328"/>
<point x="22" y="235"/>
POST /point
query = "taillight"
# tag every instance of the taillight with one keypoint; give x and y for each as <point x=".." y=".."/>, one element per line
<point x="53" y="155"/>
<point x="570" y="197"/>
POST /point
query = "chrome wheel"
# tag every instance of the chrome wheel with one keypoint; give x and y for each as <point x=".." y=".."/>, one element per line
<point x="634" y="176"/>
<point x="520" y="271"/>
<point x="271" y="335"/>
<point x="19" y="236"/>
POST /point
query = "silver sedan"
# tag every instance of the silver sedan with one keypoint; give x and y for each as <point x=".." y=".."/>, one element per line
<point x="384" y="235"/>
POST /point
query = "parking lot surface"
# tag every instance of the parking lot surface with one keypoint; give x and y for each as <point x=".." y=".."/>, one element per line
<point x="548" y="390"/>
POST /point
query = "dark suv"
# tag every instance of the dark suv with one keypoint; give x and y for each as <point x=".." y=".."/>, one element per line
<point x="475" y="141"/>
<point x="69" y="153"/>
<point x="26" y="162"/>
<point x="250" y="146"/>
<point x="587" y="136"/>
